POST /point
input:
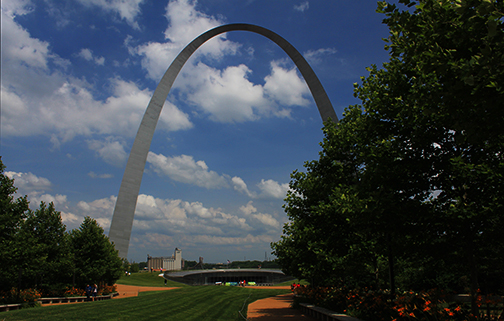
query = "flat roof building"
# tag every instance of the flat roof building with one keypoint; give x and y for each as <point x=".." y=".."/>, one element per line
<point x="206" y="277"/>
<point x="172" y="263"/>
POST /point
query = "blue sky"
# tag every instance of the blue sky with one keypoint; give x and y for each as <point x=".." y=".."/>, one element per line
<point x="77" y="76"/>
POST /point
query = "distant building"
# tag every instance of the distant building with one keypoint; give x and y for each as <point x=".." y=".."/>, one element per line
<point x="172" y="263"/>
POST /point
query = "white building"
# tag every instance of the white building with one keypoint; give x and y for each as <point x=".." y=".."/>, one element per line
<point x="172" y="263"/>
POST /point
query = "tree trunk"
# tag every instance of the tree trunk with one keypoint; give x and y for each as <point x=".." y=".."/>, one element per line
<point x="391" y="265"/>
<point x="474" y="280"/>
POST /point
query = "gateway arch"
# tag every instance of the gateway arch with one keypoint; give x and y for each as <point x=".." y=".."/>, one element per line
<point x="124" y="212"/>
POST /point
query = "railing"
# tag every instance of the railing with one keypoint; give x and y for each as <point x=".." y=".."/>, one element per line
<point x="75" y="299"/>
<point x="324" y="314"/>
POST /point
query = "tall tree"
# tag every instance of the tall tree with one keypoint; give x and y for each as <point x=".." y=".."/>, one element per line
<point x="95" y="258"/>
<point x="51" y="252"/>
<point x="425" y="146"/>
<point x="12" y="214"/>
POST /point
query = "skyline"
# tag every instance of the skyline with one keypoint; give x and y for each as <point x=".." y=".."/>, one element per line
<point x="77" y="77"/>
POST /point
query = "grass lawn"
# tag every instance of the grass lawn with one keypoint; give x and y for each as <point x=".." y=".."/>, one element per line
<point x="188" y="303"/>
<point x="147" y="279"/>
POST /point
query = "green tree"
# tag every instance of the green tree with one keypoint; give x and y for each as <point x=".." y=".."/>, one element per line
<point x="51" y="252"/>
<point x="441" y="100"/>
<point x="415" y="173"/>
<point x="95" y="258"/>
<point x="12" y="214"/>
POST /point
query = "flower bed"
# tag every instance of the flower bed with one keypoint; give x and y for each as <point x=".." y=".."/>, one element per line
<point x="381" y="305"/>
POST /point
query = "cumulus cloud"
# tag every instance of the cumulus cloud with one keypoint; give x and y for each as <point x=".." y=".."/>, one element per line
<point x="185" y="169"/>
<point x="240" y="186"/>
<point x="87" y="54"/>
<point x="181" y="217"/>
<point x="41" y="100"/>
<point x="302" y="6"/>
<point x="225" y="95"/>
<point x="35" y="188"/>
<point x="159" y="222"/>
<point x="185" y="24"/>
<point x="14" y="8"/>
<point x="285" y="86"/>
<point x="126" y="9"/>
<point x="29" y="182"/>
<point x="110" y="150"/>
<point x="265" y="219"/>
<point x="272" y="189"/>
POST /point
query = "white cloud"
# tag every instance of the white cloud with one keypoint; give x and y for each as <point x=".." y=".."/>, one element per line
<point x="37" y="100"/>
<point x="28" y="182"/>
<point x="70" y="219"/>
<point x="181" y="217"/>
<point x="266" y="219"/>
<point x="185" y="24"/>
<point x="35" y="188"/>
<point x="14" y="8"/>
<point x="285" y="86"/>
<point x="222" y="240"/>
<point x="224" y="95"/>
<point x="248" y="209"/>
<point x="94" y="175"/>
<point x="302" y="6"/>
<point x="87" y="54"/>
<point x="227" y="96"/>
<point x="270" y="188"/>
<point x="161" y="220"/>
<point x="185" y="169"/>
<point x="240" y="186"/>
<point x="127" y="9"/>
<point x="315" y="57"/>
<point x="18" y="47"/>
<point x="110" y="150"/>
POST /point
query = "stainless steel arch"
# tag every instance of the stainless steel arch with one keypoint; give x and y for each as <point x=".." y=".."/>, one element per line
<point x="124" y="212"/>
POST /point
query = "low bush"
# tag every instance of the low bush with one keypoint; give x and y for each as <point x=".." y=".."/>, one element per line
<point x="27" y="297"/>
<point x="381" y="305"/>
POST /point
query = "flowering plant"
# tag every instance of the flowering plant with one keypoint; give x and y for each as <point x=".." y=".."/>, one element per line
<point x="381" y="305"/>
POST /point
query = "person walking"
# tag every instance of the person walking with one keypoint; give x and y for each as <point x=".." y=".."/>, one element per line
<point x="95" y="292"/>
<point x="88" y="292"/>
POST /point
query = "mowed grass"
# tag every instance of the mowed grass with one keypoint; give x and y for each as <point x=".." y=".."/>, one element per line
<point x="147" y="279"/>
<point x="186" y="303"/>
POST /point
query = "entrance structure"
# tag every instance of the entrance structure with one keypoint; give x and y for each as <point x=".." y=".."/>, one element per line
<point x="124" y="212"/>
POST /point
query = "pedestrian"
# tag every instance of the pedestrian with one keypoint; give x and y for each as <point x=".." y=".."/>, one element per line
<point x="95" y="291"/>
<point x="88" y="292"/>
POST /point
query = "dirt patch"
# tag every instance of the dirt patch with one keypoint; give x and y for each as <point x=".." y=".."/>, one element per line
<point x="131" y="290"/>
<point x="275" y="308"/>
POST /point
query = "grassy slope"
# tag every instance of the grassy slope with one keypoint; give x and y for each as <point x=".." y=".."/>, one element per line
<point x="185" y="304"/>
<point x="147" y="279"/>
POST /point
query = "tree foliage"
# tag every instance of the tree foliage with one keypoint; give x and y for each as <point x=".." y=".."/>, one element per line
<point x="412" y="178"/>
<point x="96" y="259"/>
<point x="12" y="213"/>
<point x="50" y="250"/>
